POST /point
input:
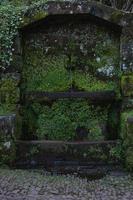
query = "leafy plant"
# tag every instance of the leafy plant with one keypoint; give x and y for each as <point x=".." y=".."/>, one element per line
<point x="50" y="76"/>
<point x="10" y="19"/>
<point x="117" y="151"/>
<point x="64" y="117"/>
<point x="85" y="81"/>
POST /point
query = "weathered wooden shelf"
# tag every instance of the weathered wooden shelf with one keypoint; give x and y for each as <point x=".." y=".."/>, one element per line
<point x="101" y="96"/>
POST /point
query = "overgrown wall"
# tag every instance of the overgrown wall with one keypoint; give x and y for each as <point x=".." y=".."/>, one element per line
<point x="16" y="79"/>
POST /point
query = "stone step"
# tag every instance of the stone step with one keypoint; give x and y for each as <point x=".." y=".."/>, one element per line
<point x="59" y="154"/>
<point x="7" y="126"/>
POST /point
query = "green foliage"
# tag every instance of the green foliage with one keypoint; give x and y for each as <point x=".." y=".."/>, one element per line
<point x="124" y="117"/>
<point x="10" y="18"/>
<point x="106" y="54"/>
<point x="75" y="68"/>
<point x="50" y="75"/>
<point x="117" y="151"/>
<point x="61" y="120"/>
<point x="87" y="82"/>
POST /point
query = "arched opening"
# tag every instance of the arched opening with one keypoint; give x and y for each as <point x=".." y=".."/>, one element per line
<point x="70" y="79"/>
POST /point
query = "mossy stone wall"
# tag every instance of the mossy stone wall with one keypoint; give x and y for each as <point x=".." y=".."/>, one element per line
<point x="10" y="119"/>
<point x="78" y="57"/>
<point x="69" y="56"/>
<point x="127" y="91"/>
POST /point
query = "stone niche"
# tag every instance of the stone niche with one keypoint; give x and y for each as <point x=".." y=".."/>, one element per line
<point x="70" y="86"/>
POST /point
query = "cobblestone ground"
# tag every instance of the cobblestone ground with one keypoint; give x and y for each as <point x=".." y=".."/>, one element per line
<point x="38" y="185"/>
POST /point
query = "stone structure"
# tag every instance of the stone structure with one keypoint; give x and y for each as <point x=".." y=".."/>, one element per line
<point x="80" y="52"/>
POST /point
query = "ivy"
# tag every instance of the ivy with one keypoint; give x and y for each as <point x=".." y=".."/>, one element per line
<point x="10" y="19"/>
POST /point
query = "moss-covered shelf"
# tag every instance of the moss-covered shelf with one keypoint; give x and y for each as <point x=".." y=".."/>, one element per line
<point x="100" y="96"/>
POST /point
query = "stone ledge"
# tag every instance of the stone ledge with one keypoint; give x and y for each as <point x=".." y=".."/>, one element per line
<point x="101" y="96"/>
<point x="44" y="153"/>
<point x="130" y="120"/>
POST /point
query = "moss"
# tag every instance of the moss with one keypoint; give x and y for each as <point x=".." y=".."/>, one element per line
<point x="126" y="133"/>
<point x="35" y="17"/>
<point x="127" y="85"/>
<point x="117" y="152"/>
<point x="90" y="83"/>
<point x="79" y="63"/>
<point x="129" y="159"/>
<point x="40" y="15"/>
<point x="116" y="16"/>
<point x="65" y="117"/>
<point x="61" y="120"/>
<point x="25" y="21"/>
<point x="127" y="137"/>
<point x="50" y="75"/>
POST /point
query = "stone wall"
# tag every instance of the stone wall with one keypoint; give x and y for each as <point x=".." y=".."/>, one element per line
<point x="14" y="82"/>
<point x="10" y="121"/>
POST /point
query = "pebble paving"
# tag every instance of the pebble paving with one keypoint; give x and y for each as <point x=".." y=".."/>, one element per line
<point x="39" y="185"/>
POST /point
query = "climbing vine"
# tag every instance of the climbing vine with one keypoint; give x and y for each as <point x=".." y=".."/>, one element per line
<point x="10" y="18"/>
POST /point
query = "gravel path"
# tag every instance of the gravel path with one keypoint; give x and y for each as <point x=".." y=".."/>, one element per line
<point x="37" y="185"/>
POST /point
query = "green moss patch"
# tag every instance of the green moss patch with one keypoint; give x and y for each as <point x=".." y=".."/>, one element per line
<point x="49" y="75"/>
<point x="65" y="120"/>
<point x="87" y="82"/>
<point x="124" y="124"/>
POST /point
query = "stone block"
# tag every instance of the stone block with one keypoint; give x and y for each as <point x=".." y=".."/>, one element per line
<point x="7" y="146"/>
<point x="127" y="104"/>
<point x="17" y="62"/>
<point x="7" y="127"/>
<point x="9" y="90"/>
<point x="7" y="152"/>
<point x="17" y="45"/>
<point x="129" y="158"/>
<point x="127" y="85"/>
<point x="41" y="152"/>
<point x="130" y="130"/>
